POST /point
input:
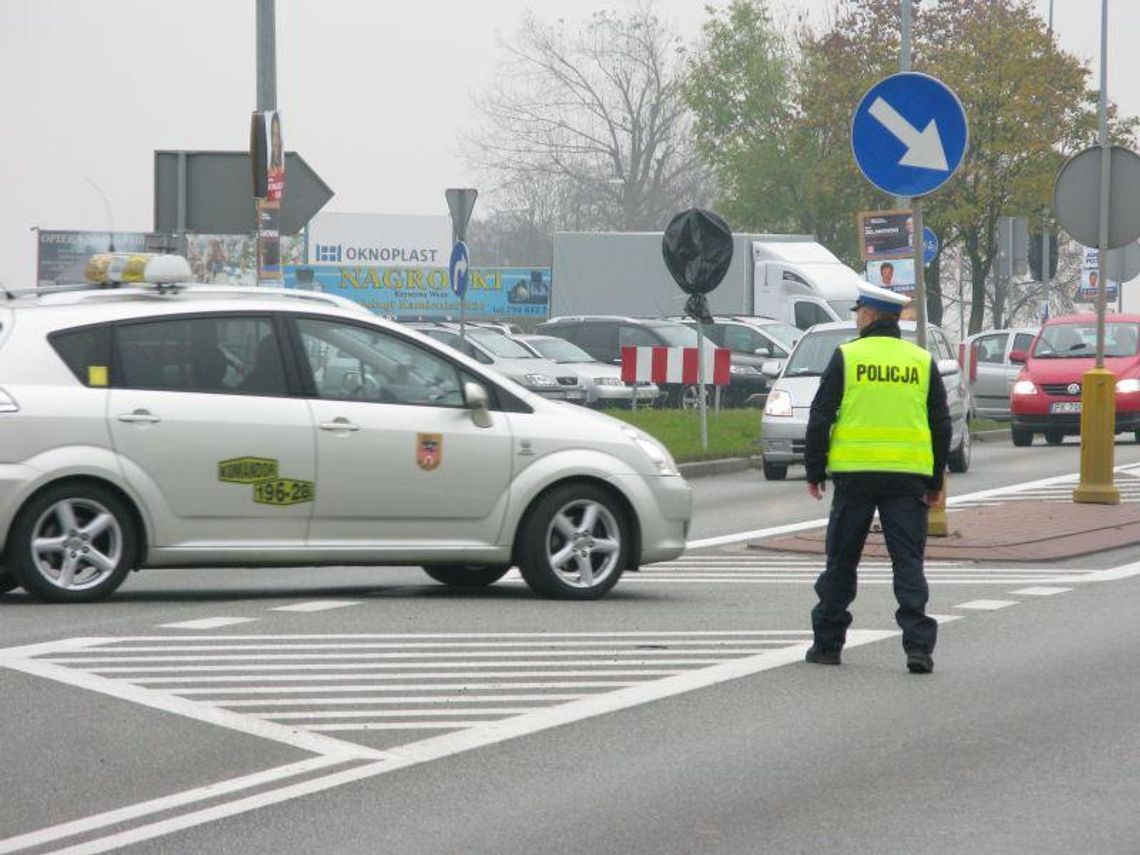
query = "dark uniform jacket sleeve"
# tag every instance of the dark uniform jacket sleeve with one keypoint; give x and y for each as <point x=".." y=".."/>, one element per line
<point x="824" y="408"/>
<point x="938" y="414"/>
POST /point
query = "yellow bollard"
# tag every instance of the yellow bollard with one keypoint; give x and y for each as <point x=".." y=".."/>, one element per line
<point x="1098" y="434"/>
<point x="937" y="522"/>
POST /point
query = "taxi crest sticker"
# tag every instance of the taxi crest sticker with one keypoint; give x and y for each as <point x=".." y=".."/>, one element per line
<point x="429" y="450"/>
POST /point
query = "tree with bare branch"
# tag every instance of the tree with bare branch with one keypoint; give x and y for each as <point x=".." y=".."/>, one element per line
<point x="591" y="113"/>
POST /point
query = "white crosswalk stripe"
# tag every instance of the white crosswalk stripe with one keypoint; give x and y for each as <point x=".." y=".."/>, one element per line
<point x="419" y="682"/>
<point x="1127" y="481"/>
<point x="789" y="568"/>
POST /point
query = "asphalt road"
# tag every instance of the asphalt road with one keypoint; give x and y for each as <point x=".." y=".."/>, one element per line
<point x="373" y="711"/>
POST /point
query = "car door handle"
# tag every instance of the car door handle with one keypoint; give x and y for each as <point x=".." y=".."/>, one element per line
<point x="139" y="417"/>
<point x="339" y="424"/>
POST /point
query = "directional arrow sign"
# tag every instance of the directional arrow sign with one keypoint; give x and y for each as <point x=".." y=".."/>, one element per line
<point x="909" y="134"/>
<point x="216" y="195"/>
<point x="457" y="269"/>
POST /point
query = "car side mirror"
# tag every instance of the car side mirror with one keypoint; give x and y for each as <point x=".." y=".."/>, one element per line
<point x="1018" y="356"/>
<point x="771" y="368"/>
<point x="948" y="367"/>
<point x="762" y="351"/>
<point x="479" y="404"/>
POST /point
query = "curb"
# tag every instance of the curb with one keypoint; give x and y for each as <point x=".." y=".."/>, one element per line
<point x="703" y="468"/>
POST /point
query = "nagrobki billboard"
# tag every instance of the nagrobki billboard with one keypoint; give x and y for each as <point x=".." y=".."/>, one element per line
<point x="425" y="292"/>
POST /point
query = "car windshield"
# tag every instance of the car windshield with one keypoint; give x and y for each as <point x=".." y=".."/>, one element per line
<point x="1078" y="340"/>
<point x="560" y="350"/>
<point x="499" y="344"/>
<point x="816" y="347"/>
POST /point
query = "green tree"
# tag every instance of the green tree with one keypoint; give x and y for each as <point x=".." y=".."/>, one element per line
<point x="1026" y="101"/>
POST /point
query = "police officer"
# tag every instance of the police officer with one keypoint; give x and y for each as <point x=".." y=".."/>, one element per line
<point x="880" y="426"/>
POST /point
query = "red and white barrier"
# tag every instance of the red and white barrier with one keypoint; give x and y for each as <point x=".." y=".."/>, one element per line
<point x="673" y="365"/>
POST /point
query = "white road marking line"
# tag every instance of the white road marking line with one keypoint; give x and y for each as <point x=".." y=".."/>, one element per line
<point x="207" y="623"/>
<point x="413" y="646"/>
<point x="365" y="667"/>
<point x="188" y="709"/>
<point x="409" y="687"/>
<point x="459" y="741"/>
<point x="1042" y="591"/>
<point x="393" y="699"/>
<point x="946" y="618"/>
<point x="406" y="675"/>
<point x="210" y="791"/>
<point x="986" y="605"/>
<point x="952" y="501"/>
<point x="316" y="606"/>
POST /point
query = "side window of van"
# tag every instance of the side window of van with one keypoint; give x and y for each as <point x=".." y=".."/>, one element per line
<point x="810" y="314"/>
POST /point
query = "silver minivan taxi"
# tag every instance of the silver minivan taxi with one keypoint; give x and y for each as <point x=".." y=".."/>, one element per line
<point x="205" y="426"/>
<point x="783" y="427"/>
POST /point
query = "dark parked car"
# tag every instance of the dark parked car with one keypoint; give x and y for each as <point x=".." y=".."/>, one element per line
<point x="603" y="337"/>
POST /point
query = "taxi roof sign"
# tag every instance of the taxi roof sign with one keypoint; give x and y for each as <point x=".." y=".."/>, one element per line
<point x="137" y="268"/>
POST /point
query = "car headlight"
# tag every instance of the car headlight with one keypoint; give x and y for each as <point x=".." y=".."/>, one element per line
<point x="1128" y="385"/>
<point x="609" y="381"/>
<point x="779" y="404"/>
<point x="540" y="380"/>
<point x="1024" y="387"/>
<point x="739" y="370"/>
<point x="657" y="453"/>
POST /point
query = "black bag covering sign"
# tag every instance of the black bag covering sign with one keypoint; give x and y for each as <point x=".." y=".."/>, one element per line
<point x="697" y="246"/>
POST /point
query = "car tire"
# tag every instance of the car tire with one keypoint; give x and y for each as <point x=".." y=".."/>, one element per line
<point x="959" y="460"/>
<point x="1021" y="437"/>
<point x="72" y="543"/>
<point x="7" y="581"/>
<point x="1054" y="437"/>
<point x="467" y="575"/>
<point x="574" y="543"/>
<point x="775" y="471"/>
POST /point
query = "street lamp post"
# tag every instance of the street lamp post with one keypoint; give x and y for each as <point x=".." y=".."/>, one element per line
<point x="107" y="210"/>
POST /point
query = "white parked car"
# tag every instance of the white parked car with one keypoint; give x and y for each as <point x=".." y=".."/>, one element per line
<point x="170" y="425"/>
<point x="609" y="389"/>
<point x="783" y="429"/>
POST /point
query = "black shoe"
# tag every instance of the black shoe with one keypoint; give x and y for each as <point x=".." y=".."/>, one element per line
<point x="919" y="663"/>
<point x="821" y="656"/>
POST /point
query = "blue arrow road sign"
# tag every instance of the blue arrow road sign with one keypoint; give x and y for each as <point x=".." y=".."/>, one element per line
<point x="457" y="269"/>
<point x="929" y="245"/>
<point x="909" y="134"/>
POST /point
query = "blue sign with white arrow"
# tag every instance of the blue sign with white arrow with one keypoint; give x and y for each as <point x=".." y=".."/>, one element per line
<point x="457" y="269"/>
<point x="909" y="134"/>
<point x="929" y="245"/>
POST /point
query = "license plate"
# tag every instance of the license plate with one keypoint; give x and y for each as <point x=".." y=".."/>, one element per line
<point x="1065" y="407"/>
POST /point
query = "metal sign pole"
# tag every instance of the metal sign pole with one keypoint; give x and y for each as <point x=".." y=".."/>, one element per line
<point x="701" y="386"/>
<point x="1098" y="386"/>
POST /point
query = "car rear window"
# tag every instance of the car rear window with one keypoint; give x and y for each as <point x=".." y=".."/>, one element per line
<point x="86" y="351"/>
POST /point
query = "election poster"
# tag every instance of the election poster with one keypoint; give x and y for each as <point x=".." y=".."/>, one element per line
<point x="886" y="234"/>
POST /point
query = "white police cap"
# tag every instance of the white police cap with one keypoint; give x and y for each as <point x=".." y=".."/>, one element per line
<point x="875" y="297"/>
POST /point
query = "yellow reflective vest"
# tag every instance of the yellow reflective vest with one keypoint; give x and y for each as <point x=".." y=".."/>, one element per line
<point x="883" y="424"/>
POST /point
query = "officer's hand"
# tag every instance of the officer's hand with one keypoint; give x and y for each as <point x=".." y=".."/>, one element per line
<point x="816" y="490"/>
<point x="932" y="498"/>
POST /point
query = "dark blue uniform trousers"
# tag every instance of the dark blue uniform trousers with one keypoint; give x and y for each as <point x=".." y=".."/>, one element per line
<point x="904" y="527"/>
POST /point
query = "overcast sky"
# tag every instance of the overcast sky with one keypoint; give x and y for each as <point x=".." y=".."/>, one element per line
<point x="371" y="93"/>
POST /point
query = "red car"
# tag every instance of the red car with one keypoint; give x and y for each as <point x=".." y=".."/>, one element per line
<point x="1046" y="398"/>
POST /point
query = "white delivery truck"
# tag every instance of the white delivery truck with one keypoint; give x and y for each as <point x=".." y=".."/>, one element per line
<point x="789" y="277"/>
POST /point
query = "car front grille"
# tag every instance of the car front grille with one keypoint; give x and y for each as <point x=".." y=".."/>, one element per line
<point x="1060" y="389"/>
<point x="567" y="381"/>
